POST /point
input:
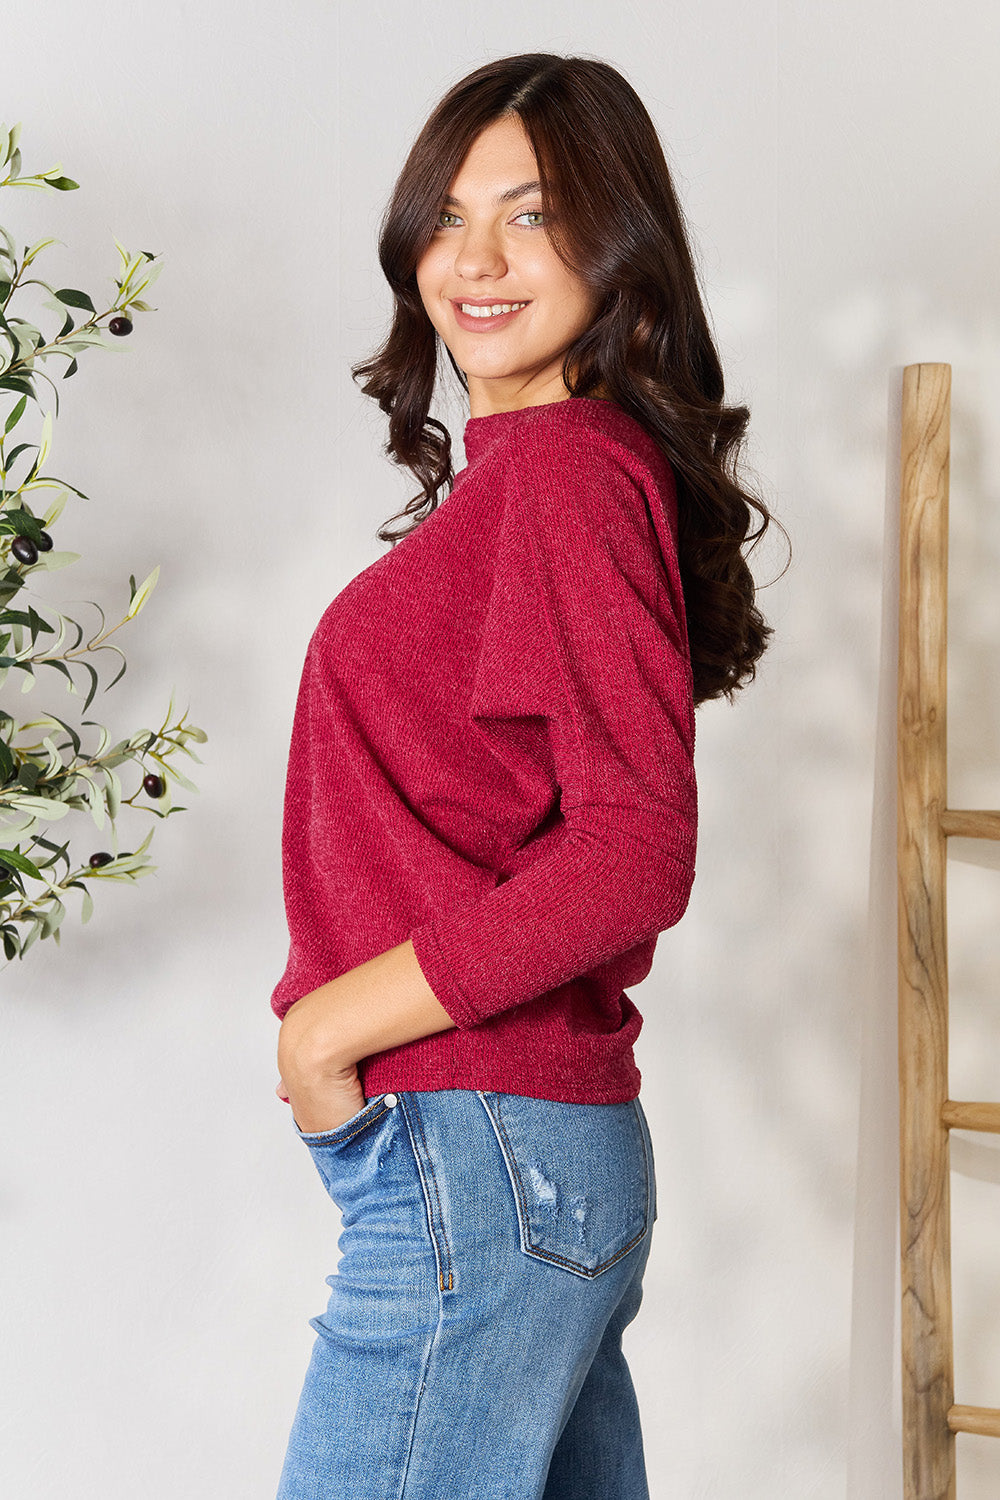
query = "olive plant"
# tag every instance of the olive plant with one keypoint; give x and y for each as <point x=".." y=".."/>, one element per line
<point x="58" y="777"/>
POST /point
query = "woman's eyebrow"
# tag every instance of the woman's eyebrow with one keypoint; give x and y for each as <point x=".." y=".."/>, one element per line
<point x="506" y="197"/>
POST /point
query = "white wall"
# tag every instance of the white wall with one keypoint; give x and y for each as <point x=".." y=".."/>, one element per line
<point x="164" y="1237"/>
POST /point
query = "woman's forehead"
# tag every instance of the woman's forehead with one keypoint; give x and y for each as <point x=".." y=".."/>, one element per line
<point x="500" y="161"/>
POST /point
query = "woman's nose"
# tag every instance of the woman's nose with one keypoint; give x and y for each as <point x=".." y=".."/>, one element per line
<point x="480" y="254"/>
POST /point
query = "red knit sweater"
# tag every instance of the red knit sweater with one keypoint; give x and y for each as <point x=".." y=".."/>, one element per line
<point x="492" y="755"/>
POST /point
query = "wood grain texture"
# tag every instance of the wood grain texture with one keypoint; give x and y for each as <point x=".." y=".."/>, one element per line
<point x="962" y="1116"/>
<point x="982" y="1420"/>
<point x="928" y="1441"/>
<point x="970" y="825"/>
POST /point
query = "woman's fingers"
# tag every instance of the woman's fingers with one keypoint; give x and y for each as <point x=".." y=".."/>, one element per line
<point x="323" y="1091"/>
<point x="326" y="1104"/>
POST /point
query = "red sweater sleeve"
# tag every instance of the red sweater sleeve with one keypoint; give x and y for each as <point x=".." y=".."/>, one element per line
<point x="600" y="648"/>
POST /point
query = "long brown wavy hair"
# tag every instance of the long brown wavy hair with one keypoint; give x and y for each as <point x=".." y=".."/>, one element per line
<point x="649" y="349"/>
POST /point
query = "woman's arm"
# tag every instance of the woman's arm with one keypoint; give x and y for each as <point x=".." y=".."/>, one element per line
<point x="380" y="1004"/>
<point x="585" y="630"/>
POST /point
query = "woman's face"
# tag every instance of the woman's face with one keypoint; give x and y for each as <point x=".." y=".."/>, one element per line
<point x="490" y="249"/>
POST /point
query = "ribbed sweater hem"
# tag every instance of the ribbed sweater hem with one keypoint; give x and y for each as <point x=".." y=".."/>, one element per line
<point x="384" y="1076"/>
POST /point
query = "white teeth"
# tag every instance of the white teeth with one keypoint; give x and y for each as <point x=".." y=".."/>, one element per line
<point x="491" y="312"/>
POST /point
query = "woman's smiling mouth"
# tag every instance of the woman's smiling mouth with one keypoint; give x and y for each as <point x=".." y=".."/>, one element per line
<point x="478" y="316"/>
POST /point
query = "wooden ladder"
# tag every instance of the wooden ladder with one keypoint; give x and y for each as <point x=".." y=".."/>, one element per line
<point x="925" y="822"/>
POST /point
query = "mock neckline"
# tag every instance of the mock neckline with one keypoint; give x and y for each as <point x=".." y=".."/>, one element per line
<point x="480" y="431"/>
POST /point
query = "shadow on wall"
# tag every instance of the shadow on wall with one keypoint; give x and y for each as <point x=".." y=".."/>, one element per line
<point x="788" y="982"/>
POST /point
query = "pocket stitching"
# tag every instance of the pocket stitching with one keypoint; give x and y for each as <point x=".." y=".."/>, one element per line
<point x="329" y="1136"/>
<point x="573" y="1265"/>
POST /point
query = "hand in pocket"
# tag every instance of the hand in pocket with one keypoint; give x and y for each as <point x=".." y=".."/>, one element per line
<point x="323" y="1103"/>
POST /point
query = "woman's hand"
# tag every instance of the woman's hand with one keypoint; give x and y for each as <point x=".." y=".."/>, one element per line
<point x="322" y="1091"/>
<point x="327" y="1104"/>
<point x="383" y="1003"/>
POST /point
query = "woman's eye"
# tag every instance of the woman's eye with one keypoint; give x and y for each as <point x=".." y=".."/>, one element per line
<point x="447" y="220"/>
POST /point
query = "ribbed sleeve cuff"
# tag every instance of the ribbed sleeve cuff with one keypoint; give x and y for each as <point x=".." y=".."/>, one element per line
<point x="437" y="972"/>
<point x="591" y="899"/>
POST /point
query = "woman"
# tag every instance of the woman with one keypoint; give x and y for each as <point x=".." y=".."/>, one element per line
<point x="490" y="807"/>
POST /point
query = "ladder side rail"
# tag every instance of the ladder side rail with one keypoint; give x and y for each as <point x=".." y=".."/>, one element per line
<point x="926" y="1321"/>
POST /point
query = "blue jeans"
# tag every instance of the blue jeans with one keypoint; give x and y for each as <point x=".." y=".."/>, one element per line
<point x="492" y="1252"/>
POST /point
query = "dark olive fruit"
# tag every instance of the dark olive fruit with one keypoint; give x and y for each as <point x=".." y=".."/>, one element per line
<point x="153" y="785"/>
<point x="120" y="326"/>
<point x="44" y="543"/>
<point x="102" y="858"/>
<point x="24" y="550"/>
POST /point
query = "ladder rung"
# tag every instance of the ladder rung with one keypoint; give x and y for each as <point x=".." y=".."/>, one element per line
<point x="970" y="1116"/>
<point x="970" y="825"/>
<point x="982" y="1420"/>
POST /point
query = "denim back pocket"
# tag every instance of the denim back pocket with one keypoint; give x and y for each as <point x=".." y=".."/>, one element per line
<point x="582" y="1176"/>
